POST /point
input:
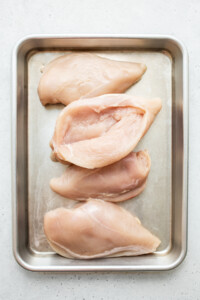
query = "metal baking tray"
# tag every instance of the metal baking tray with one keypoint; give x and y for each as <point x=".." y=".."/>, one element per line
<point x="162" y="207"/>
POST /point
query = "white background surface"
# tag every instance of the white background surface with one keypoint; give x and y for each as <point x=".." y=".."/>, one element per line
<point x="179" y="18"/>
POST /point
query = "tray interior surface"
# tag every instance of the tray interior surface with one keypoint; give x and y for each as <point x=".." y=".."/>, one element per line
<point x="153" y="206"/>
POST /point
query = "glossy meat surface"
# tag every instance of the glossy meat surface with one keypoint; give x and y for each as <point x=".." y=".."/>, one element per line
<point x="97" y="229"/>
<point x="120" y="181"/>
<point x="97" y="132"/>
<point x="77" y="75"/>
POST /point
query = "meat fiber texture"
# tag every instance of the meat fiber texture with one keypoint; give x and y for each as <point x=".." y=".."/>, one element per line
<point x="97" y="132"/>
<point x="97" y="229"/>
<point x="78" y="75"/>
<point x="117" y="182"/>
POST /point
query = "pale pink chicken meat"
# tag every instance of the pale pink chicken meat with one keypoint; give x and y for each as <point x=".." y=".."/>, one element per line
<point x="120" y="181"/>
<point x="97" y="132"/>
<point x="77" y="75"/>
<point x="97" y="229"/>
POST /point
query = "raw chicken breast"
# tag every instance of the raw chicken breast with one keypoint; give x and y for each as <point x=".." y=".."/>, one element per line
<point x="97" y="132"/>
<point x="97" y="229"/>
<point x="120" y="181"/>
<point x="77" y="75"/>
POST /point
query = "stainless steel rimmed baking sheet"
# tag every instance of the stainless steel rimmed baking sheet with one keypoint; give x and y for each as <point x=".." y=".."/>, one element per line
<point x="162" y="207"/>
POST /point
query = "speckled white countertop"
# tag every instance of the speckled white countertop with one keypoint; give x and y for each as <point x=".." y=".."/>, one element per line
<point x="175" y="17"/>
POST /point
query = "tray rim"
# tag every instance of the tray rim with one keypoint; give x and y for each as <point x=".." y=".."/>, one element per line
<point x="183" y="252"/>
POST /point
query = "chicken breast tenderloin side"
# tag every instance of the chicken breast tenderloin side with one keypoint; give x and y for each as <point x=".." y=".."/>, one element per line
<point x="97" y="132"/>
<point x="97" y="229"/>
<point x="75" y="75"/>
<point x="120" y="181"/>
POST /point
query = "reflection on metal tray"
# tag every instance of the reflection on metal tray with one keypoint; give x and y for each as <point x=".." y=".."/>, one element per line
<point x="162" y="207"/>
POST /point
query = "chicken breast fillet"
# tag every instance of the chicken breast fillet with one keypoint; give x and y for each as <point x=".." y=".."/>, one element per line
<point x="97" y="229"/>
<point x="77" y="75"/>
<point x="97" y="132"/>
<point x="120" y="181"/>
